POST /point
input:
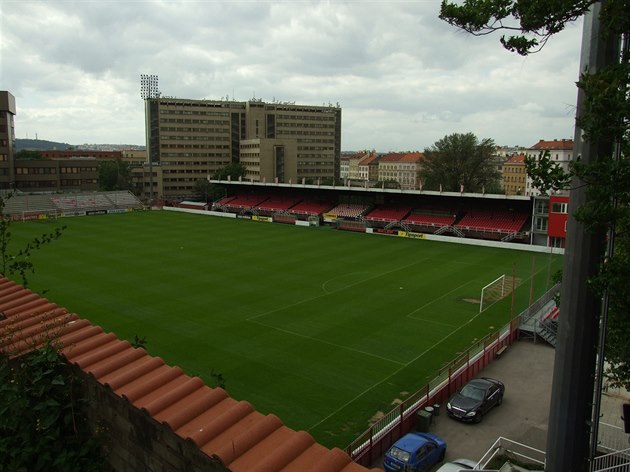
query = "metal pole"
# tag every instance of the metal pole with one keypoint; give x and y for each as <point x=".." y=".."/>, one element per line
<point x="570" y="413"/>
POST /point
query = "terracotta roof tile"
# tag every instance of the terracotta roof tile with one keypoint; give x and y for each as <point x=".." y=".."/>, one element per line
<point x="516" y="159"/>
<point x="243" y="438"/>
<point x="559" y="144"/>
<point x="219" y="419"/>
<point x="131" y="372"/>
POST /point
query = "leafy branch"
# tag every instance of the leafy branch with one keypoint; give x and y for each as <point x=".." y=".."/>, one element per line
<point x="20" y="262"/>
<point x="538" y="21"/>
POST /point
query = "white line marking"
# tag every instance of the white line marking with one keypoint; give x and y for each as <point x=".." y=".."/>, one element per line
<point x="338" y="277"/>
<point x="334" y="291"/>
<point x="393" y="373"/>
<point x="436" y="299"/>
<point x="339" y="346"/>
<point x="398" y="370"/>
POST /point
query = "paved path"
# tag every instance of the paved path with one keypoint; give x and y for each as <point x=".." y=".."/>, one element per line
<point x="526" y="369"/>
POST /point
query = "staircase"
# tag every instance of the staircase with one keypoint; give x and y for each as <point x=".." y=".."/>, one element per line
<point x="548" y="330"/>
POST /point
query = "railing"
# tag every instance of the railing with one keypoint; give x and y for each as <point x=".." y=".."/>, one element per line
<point x="374" y="442"/>
<point x="611" y="438"/>
<point x="618" y="461"/>
<point x="508" y="449"/>
<point x="535" y="307"/>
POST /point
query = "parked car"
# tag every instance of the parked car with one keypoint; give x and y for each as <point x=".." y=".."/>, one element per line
<point x="475" y="399"/>
<point x="415" y="452"/>
<point x="457" y="465"/>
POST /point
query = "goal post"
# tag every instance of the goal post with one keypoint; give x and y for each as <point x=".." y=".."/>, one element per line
<point x="493" y="292"/>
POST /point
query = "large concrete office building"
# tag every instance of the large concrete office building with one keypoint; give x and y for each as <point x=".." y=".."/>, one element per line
<point x="189" y="140"/>
<point x="7" y="139"/>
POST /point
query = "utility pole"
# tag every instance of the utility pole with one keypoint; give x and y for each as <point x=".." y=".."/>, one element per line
<point x="570" y="416"/>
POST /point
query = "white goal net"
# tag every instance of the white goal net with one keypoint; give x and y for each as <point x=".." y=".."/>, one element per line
<point x="495" y="291"/>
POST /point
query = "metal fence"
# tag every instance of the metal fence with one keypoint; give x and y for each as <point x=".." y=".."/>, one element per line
<point x="373" y="443"/>
<point x="618" y="461"/>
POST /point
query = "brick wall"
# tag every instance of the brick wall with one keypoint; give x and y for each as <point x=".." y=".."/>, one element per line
<point x="133" y="440"/>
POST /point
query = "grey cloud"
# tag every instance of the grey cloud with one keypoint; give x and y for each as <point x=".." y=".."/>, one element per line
<point x="403" y="78"/>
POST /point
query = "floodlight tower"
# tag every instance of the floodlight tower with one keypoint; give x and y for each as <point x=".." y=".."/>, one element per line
<point x="149" y="92"/>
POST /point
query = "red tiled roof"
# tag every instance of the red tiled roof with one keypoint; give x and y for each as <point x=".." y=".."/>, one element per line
<point x="369" y="159"/>
<point x="516" y="159"/>
<point x="556" y="144"/>
<point x="412" y="157"/>
<point x="233" y="430"/>
<point x="391" y="157"/>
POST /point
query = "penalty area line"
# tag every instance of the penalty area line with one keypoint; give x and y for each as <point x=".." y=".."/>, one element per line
<point x="422" y="354"/>
<point x="321" y="341"/>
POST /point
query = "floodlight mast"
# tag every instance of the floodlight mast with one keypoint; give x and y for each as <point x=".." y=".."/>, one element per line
<point x="149" y="91"/>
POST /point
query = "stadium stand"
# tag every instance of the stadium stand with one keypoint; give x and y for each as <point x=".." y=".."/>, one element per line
<point x="492" y="221"/>
<point x="277" y="203"/>
<point x="123" y="199"/>
<point x="224" y="201"/>
<point x="244" y="202"/>
<point x="388" y="213"/>
<point x="20" y="205"/>
<point x="553" y="314"/>
<point x="156" y="408"/>
<point x="430" y="220"/>
<point x="311" y="207"/>
<point x="349" y="210"/>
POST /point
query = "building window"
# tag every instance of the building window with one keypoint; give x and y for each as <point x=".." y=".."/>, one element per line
<point x="559" y="207"/>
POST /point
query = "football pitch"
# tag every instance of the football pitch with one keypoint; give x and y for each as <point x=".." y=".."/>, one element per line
<point x="323" y="328"/>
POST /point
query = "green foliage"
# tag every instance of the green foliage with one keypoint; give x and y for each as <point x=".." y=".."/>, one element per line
<point x="536" y="20"/>
<point x="604" y="118"/>
<point x="20" y="262"/>
<point x="139" y="342"/>
<point x="218" y="379"/>
<point x="42" y="427"/>
<point x="233" y="170"/>
<point x="547" y="176"/>
<point x="460" y="159"/>
<point x="114" y="175"/>
<point x="26" y="154"/>
<point x="206" y="192"/>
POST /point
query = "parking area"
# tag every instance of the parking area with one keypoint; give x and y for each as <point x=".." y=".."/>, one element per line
<point x="526" y="369"/>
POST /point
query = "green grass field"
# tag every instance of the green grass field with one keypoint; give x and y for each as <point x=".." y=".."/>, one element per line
<point x="323" y="328"/>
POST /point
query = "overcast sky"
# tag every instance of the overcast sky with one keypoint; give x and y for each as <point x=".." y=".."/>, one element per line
<point x="403" y="78"/>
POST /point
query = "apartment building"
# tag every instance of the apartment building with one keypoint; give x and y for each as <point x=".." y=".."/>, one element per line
<point x="402" y="168"/>
<point x="368" y="167"/>
<point x="7" y="139"/>
<point x="560" y="151"/>
<point x="514" y="175"/>
<point x="56" y="175"/>
<point x="191" y="139"/>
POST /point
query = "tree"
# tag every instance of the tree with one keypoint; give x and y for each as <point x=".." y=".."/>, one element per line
<point x="26" y="154"/>
<point x="596" y="273"/>
<point x="459" y="160"/>
<point x="114" y="175"/>
<point x="207" y="192"/>
<point x="233" y="170"/>
<point x="539" y="19"/>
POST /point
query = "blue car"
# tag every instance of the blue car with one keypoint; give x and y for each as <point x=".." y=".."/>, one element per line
<point x="415" y="452"/>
